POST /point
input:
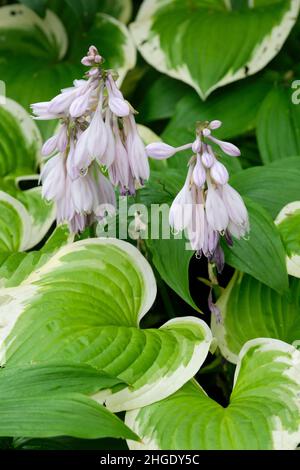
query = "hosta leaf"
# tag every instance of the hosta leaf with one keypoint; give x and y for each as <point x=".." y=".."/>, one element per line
<point x="16" y="267"/>
<point x="262" y="255"/>
<point x="41" y="45"/>
<point x="208" y="45"/>
<point x="15" y="224"/>
<point x="39" y="6"/>
<point x="288" y="223"/>
<point x="49" y="400"/>
<point x="278" y="128"/>
<point x="24" y="225"/>
<point x="120" y="9"/>
<point x="250" y="309"/>
<point x="20" y="141"/>
<point x="172" y="258"/>
<point x="85" y="304"/>
<point x="236" y="107"/>
<point x="264" y="184"/>
<point x="263" y="413"/>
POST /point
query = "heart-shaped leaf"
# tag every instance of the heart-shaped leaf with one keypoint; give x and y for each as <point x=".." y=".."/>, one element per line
<point x="288" y="222"/>
<point x="208" y="44"/>
<point x="52" y="400"/>
<point x="85" y="304"/>
<point x="250" y="309"/>
<point x="263" y="413"/>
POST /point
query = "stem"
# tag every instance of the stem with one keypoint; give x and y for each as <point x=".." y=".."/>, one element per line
<point x="184" y="147"/>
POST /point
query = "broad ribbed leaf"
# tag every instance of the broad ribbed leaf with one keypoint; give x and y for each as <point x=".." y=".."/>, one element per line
<point x="210" y="43"/>
<point x="51" y="400"/>
<point x="278" y="126"/>
<point x="85" y="304"/>
<point x="250" y="309"/>
<point x="263" y="413"/>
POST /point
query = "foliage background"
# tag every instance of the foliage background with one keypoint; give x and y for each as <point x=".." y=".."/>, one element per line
<point x="259" y="116"/>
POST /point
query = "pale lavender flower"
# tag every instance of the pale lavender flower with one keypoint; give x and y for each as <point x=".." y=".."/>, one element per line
<point x="207" y="207"/>
<point x="97" y="129"/>
<point x="138" y="160"/>
<point x="116" y="101"/>
<point x="161" y="151"/>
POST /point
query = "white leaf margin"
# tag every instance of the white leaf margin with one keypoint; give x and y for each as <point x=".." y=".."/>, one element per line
<point x="282" y="439"/>
<point x="32" y="234"/>
<point x="17" y="298"/>
<point x="293" y="262"/>
<point x="154" y="55"/>
<point x="28" y="126"/>
<point x="26" y="19"/>
<point x="128" y="48"/>
<point x="128" y="399"/>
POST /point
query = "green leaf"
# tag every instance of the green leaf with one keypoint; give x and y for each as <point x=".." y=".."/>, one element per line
<point x="60" y="237"/>
<point x="262" y="255"/>
<point x="236" y="107"/>
<point x="161" y="99"/>
<point x="208" y="45"/>
<point x="172" y="258"/>
<point x="85" y="304"/>
<point x="16" y="267"/>
<point x="37" y="58"/>
<point x="49" y="400"/>
<point x="24" y="225"/>
<point x="39" y="6"/>
<point x="250" y="309"/>
<point x="263" y="413"/>
<point x="278" y="125"/>
<point x="120" y="9"/>
<point x="272" y="186"/>
<point x="288" y="221"/>
<point x="20" y="141"/>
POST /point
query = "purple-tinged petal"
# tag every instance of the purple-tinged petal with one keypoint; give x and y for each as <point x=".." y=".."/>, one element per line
<point x="49" y="146"/>
<point x="215" y="124"/>
<point x="196" y="147"/>
<point x="199" y="173"/>
<point x="216" y="212"/>
<point x="206" y="132"/>
<point x="208" y="158"/>
<point x="227" y="147"/>
<point x="219" y="173"/>
<point x="160" y="151"/>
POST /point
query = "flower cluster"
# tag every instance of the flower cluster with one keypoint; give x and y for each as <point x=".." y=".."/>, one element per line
<point x="207" y="207"/>
<point x="97" y="132"/>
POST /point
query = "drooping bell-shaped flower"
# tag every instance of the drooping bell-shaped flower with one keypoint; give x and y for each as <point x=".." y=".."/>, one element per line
<point x="97" y="130"/>
<point x="207" y="207"/>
